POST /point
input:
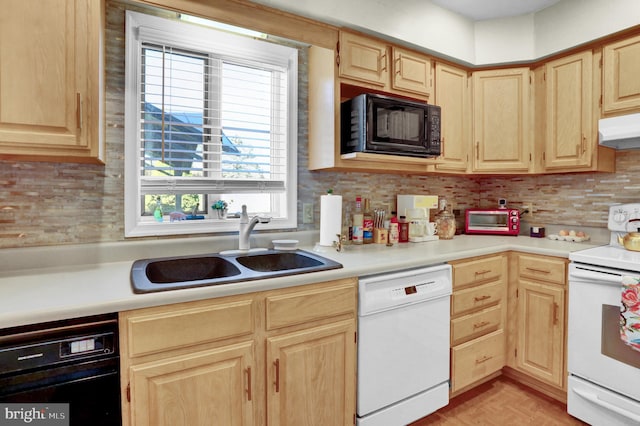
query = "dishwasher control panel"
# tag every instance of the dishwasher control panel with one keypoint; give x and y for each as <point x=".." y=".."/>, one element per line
<point x="390" y="291"/>
<point x="412" y="289"/>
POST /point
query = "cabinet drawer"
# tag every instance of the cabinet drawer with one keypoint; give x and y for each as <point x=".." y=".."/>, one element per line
<point x="476" y="297"/>
<point x="477" y="359"/>
<point x="166" y="328"/>
<point x="477" y="271"/>
<point x="474" y="325"/>
<point x="302" y="306"/>
<point x="542" y="268"/>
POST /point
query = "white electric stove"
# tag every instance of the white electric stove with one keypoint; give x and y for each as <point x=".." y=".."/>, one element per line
<point x="604" y="372"/>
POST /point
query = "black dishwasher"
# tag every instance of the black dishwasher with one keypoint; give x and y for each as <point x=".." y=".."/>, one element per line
<point x="73" y="362"/>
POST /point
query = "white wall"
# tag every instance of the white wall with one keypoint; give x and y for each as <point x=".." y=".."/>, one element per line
<point x="415" y="22"/>
<point x="427" y="26"/>
<point x="505" y="40"/>
<point x="573" y="22"/>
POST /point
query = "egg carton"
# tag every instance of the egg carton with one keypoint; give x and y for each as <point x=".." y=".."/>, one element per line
<point x="571" y="238"/>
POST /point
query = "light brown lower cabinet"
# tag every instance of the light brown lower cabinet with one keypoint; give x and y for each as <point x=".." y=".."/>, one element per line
<point x="477" y="320"/>
<point x="279" y="357"/>
<point x="538" y="315"/>
<point x="508" y="315"/>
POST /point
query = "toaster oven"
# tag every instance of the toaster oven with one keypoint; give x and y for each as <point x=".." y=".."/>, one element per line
<point x="492" y="221"/>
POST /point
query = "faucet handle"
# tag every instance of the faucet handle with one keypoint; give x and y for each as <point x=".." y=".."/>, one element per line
<point x="341" y="240"/>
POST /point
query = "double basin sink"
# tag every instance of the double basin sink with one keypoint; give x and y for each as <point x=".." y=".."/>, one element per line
<point x="171" y="273"/>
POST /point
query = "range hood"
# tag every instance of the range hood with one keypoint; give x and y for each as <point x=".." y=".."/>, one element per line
<point x="620" y="132"/>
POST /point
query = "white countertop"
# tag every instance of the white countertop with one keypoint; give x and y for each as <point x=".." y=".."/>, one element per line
<point x="96" y="280"/>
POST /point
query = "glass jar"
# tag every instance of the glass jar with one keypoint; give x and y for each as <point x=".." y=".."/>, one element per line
<point x="446" y="222"/>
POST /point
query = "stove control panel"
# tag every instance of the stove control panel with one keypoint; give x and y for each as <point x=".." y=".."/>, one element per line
<point x="624" y="218"/>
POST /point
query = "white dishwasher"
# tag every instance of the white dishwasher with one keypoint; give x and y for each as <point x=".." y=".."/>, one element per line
<point x="403" y="345"/>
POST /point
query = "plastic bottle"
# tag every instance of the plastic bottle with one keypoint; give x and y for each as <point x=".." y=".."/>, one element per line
<point x="367" y="223"/>
<point x="357" y="223"/>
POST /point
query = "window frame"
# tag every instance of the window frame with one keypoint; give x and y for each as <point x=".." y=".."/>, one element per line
<point x="141" y="28"/>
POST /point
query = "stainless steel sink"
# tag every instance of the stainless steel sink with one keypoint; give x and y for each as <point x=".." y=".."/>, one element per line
<point x="149" y="275"/>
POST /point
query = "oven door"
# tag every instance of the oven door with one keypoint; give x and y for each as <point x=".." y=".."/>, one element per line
<point x="596" y="353"/>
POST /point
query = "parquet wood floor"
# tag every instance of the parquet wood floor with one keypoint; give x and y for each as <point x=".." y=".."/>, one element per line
<point x="501" y="402"/>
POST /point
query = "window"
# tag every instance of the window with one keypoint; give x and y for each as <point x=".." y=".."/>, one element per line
<point x="209" y="115"/>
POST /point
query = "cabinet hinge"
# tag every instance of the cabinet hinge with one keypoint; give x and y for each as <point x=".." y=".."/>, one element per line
<point x="600" y="101"/>
<point x="355" y="337"/>
<point x="544" y="76"/>
<point x="128" y="392"/>
<point x="354" y="418"/>
<point x="515" y="352"/>
<point x="338" y="53"/>
<point x="516" y="292"/>
<point x="338" y="46"/>
<point x="600" y="63"/>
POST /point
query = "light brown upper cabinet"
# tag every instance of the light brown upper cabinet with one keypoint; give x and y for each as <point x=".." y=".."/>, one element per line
<point x="501" y="121"/>
<point x="569" y="116"/>
<point x="452" y="95"/>
<point x="620" y="76"/>
<point x="50" y="80"/>
<point x="377" y="65"/>
<point x="411" y="72"/>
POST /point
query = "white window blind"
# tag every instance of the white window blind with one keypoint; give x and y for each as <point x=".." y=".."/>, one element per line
<point x="210" y="123"/>
<point x="210" y="114"/>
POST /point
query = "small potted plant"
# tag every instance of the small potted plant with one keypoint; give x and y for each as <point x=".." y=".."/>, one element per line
<point x="220" y="209"/>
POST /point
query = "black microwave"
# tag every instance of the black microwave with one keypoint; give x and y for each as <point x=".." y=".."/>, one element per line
<point x="386" y="125"/>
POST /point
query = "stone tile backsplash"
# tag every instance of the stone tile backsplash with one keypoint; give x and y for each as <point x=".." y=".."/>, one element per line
<point x="52" y="204"/>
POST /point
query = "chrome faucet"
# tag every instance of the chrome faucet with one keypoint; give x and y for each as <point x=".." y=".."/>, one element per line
<point x="246" y="226"/>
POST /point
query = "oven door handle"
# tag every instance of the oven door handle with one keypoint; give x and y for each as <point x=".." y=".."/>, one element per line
<point x="607" y="405"/>
<point x="592" y="275"/>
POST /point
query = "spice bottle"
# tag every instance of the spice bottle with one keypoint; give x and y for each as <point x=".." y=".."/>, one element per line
<point x="357" y="224"/>
<point x="394" y="232"/>
<point x="403" y="230"/>
<point x="367" y="223"/>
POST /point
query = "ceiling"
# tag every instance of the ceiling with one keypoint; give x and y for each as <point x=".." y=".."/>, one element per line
<point x="480" y="10"/>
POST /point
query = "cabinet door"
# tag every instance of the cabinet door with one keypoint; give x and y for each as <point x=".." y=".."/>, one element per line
<point x="311" y="376"/>
<point x="49" y="80"/>
<point x="621" y="68"/>
<point x="452" y="95"/>
<point x="501" y="123"/>
<point x="363" y="59"/>
<point x="203" y="388"/>
<point x="411" y="72"/>
<point x="541" y="331"/>
<point x="570" y="136"/>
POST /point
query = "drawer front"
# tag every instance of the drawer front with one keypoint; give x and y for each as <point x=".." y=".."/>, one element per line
<point x="313" y="304"/>
<point x="477" y="271"/>
<point x="477" y="359"/>
<point x="172" y="329"/>
<point x="475" y="325"/>
<point x="542" y="268"/>
<point x="470" y="299"/>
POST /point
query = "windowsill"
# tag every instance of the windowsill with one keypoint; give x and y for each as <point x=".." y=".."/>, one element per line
<point x="202" y="226"/>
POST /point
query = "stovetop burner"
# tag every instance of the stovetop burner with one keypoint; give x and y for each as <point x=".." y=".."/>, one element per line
<point x="623" y="218"/>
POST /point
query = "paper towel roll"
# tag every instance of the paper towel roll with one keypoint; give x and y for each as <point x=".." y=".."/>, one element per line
<point x="330" y="218"/>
